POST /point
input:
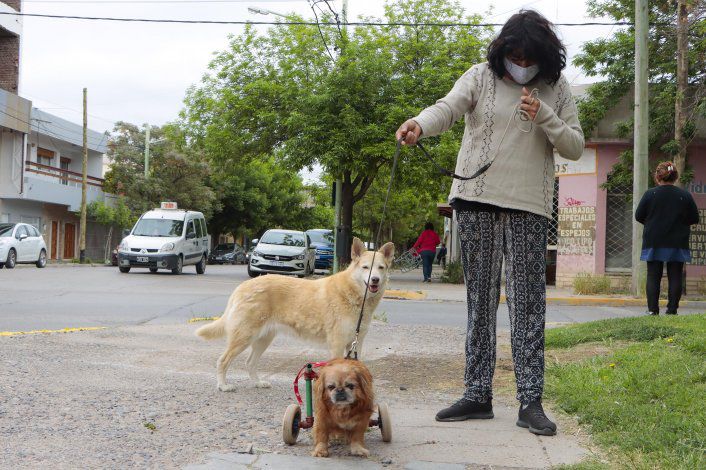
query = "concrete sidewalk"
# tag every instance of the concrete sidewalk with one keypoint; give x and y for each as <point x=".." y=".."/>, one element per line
<point x="409" y="286"/>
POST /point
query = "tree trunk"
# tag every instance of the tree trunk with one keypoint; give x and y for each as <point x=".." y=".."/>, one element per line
<point x="682" y="80"/>
<point x="347" y="217"/>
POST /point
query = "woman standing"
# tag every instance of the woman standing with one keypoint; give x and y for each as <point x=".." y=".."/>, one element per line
<point x="504" y="213"/>
<point x="426" y="247"/>
<point x="667" y="212"/>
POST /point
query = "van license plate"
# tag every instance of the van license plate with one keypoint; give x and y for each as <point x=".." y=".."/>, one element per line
<point x="143" y="259"/>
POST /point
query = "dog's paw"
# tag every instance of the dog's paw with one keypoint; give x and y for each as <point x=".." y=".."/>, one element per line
<point x="262" y="384"/>
<point x="320" y="451"/>
<point x="226" y="387"/>
<point x="359" y="450"/>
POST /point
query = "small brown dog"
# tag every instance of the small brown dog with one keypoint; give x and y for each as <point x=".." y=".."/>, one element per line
<point x="343" y="405"/>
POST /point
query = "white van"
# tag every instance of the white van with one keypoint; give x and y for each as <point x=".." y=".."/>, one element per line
<point x="166" y="238"/>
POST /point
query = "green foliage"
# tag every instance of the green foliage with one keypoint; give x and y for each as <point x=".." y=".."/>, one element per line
<point x="644" y="402"/>
<point x="613" y="58"/>
<point x="177" y="172"/>
<point x="453" y="274"/>
<point x="278" y="94"/>
<point x="119" y="215"/>
<point x="588" y="284"/>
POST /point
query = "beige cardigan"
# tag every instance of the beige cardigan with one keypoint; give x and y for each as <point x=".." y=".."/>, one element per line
<point x="522" y="174"/>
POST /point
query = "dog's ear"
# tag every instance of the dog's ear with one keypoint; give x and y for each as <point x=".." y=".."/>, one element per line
<point x="388" y="251"/>
<point x="320" y="394"/>
<point x="357" y="249"/>
<point x="365" y="381"/>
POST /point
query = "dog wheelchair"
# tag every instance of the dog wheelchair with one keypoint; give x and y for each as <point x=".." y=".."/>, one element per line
<point x="293" y="422"/>
<point x="407" y="261"/>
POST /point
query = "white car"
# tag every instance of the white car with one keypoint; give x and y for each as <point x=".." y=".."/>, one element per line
<point x="21" y="243"/>
<point x="282" y="252"/>
<point x="166" y="239"/>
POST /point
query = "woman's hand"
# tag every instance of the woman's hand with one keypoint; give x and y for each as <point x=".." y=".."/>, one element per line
<point x="530" y="104"/>
<point x="409" y="132"/>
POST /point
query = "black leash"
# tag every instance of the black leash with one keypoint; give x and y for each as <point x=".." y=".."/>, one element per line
<point x="354" y="345"/>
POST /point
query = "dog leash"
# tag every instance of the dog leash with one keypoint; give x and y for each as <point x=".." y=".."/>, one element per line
<point x="523" y="116"/>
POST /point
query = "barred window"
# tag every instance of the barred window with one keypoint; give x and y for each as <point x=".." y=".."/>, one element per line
<point x="618" y="249"/>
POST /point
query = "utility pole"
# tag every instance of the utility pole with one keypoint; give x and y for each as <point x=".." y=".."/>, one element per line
<point x="640" y="148"/>
<point x="84" y="180"/>
<point x="682" y="80"/>
<point x="147" y="152"/>
<point x="338" y="239"/>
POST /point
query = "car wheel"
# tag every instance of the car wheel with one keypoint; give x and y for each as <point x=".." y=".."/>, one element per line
<point x="252" y="273"/>
<point x="201" y="265"/>
<point x="42" y="261"/>
<point x="124" y="269"/>
<point x="153" y="270"/>
<point x="11" y="259"/>
<point x="179" y="266"/>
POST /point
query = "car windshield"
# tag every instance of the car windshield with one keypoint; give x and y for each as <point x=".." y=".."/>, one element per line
<point x="158" y="228"/>
<point x="225" y="247"/>
<point x="321" y="237"/>
<point x="6" y="229"/>
<point x="283" y="238"/>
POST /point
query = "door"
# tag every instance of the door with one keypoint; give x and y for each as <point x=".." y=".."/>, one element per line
<point x="36" y="239"/>
<point x="24" y="244"/>
<point x="54" y="239"/>
<point x="205" y="242"/>
<point x="69" y="241"/>
<point x="192" y="252"/>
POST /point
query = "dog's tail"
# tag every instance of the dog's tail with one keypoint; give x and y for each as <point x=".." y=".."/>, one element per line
<point x="213" y="330"/>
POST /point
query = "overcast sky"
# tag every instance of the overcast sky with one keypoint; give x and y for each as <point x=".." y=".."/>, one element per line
<point x="139" y="72"/>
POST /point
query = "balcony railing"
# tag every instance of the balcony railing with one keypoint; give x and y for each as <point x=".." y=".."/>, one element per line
<point x="65" y="177"/>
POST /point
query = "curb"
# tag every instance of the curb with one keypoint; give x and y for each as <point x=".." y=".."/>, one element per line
<point x="398" y="294"/>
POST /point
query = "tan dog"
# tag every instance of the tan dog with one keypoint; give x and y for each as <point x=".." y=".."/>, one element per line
<point x="322" y="310"/>
<point x="344" y="402"/>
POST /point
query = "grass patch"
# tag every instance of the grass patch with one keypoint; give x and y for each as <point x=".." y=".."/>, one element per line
<point x="453" y="274"/>
<point x="643" y="401"/>
<point x="589" y="284"/>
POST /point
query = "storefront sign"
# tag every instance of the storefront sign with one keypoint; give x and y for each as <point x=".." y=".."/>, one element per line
<point x="577" y="230"/>
<point x="697" y="242"/>
<point x="584" y="165"/>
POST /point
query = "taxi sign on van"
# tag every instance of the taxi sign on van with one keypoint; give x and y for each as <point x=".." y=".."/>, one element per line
<point x="169" y="205"/>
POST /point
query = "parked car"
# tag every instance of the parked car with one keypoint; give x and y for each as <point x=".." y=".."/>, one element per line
<point x="166" y="238"/>
<point x="282" y="252"/>
<point x="21" y="243"/>
<point x="230" y="253"/>
<point x="322" y="239"/>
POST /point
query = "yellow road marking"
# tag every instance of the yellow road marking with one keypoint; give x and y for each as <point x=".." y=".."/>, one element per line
<point x="63" y="330"/>
<point x="197" y="319"/>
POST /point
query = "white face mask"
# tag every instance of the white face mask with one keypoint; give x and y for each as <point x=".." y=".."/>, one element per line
<point x="520" y="74"/>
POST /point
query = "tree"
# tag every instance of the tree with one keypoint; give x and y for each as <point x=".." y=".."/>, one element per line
<point x="280" y="94"/>
<point x="177" y="172"/>
<point x="613" y="59"/>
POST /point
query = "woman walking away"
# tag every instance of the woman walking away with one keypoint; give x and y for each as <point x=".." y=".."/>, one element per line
<point x="667" y="212"/>
<point x="426" y="247"/>
<point x="504" y="213"/>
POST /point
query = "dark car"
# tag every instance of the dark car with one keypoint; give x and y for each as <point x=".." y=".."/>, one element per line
<point x="322" y="239"/>
<point x="227" y="253"/>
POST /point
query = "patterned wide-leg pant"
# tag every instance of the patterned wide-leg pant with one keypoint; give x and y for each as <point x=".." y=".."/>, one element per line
<point x="521" y="239"/>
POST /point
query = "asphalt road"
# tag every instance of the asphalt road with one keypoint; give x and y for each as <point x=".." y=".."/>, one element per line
<point x="61" y="297"/>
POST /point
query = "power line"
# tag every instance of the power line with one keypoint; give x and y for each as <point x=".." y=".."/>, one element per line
<point x="110" y="2"/>
<point x="298" y="23"/>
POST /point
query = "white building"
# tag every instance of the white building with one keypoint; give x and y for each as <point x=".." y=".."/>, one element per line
<point x="41" y="158"/>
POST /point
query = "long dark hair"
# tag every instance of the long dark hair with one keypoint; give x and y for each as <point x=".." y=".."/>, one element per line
<point x="532" y="35"/>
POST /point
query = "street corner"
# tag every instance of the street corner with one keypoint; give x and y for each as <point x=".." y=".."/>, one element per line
<point x="401" y="294"/>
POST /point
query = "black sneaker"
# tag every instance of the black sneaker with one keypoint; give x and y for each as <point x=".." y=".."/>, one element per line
<point x="466" y="409"/>
<point x="532" y="416"/>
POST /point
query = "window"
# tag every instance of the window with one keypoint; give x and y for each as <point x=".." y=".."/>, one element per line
<point x="190" y="228"/>
<point x="199" y="228"/>
<point x="21" y="230"/>
<point x="158" y="228"/>
<point x="45" y="157"/>
<point x="203" y="227"/>
<point x="33" y="232"/>
<point x="618" y="243"/>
